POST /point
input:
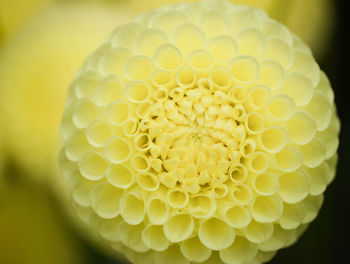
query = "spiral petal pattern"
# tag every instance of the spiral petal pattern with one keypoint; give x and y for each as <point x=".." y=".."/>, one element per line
<point x="200" y="133"/>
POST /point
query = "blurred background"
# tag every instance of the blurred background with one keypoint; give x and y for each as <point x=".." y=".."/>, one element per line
<point x="42" y="45"/>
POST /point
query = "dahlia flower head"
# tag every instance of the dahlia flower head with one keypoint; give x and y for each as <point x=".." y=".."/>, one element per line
<point x="200" y="133"/>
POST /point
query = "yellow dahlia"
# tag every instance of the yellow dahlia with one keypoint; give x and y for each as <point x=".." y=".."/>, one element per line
<point x="200" y="133"/>
<point x="36" y="66"/>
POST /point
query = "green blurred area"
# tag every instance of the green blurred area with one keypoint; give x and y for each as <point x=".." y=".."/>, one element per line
<point x="34" y="228"/>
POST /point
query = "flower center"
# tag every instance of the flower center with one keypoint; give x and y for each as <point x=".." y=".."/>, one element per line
<point x="195" y="141"/>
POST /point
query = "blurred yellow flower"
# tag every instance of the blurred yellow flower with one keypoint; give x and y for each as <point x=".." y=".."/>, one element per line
<point x="36" y="66"/>
<point x="312" y="20"/>
<point x="14" y="13"/>
<point x="200" y="132"/>
<point x="32" y="230"/>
